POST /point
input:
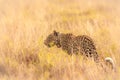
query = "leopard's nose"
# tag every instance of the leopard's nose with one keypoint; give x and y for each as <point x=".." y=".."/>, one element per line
<point x="46" y="43"/>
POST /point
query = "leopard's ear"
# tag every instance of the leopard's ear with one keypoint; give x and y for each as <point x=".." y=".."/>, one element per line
<point x="55" y="33"/>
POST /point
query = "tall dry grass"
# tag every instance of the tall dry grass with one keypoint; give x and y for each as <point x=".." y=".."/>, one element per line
<point x="24" y="25"/>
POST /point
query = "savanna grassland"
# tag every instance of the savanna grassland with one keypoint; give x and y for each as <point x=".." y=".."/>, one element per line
<point x="25" y="24"/>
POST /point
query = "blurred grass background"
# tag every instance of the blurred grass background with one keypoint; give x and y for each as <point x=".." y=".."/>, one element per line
<point x="24" y="24"/>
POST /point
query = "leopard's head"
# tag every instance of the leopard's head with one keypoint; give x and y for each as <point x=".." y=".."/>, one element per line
<point x="53" y="39"/>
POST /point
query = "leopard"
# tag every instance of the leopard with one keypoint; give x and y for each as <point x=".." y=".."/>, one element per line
<point x="72" y="44"/>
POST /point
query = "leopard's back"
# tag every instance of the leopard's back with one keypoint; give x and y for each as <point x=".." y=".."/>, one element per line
<point x="87" y="46"/>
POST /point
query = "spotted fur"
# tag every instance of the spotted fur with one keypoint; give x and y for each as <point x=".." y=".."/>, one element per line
<point x="73" y="44"/>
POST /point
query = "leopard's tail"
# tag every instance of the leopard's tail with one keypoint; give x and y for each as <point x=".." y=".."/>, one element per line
<point x="109" y="62"/>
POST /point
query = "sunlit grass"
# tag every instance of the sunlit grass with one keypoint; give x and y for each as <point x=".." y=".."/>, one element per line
<point x="24" y="25"/>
